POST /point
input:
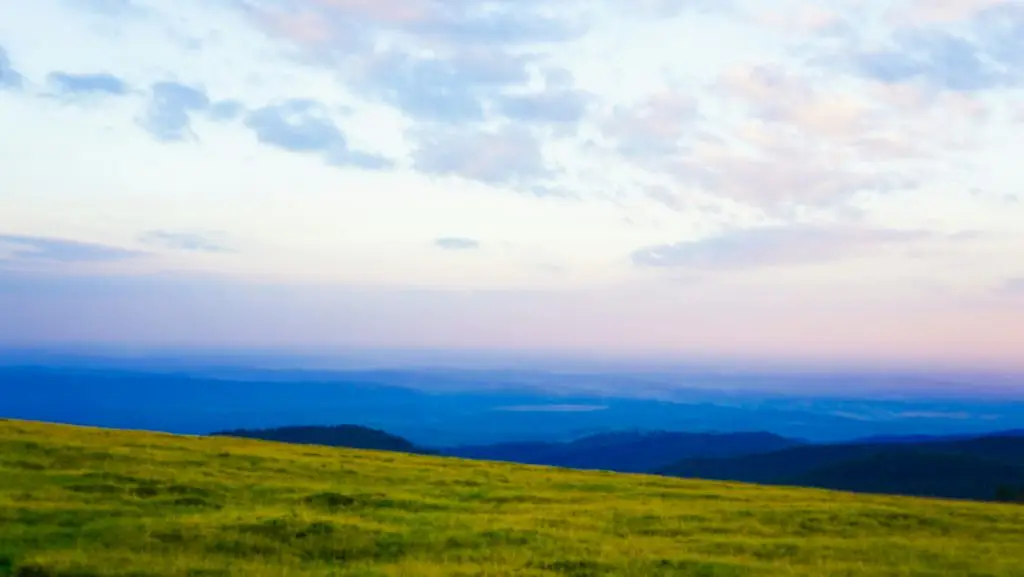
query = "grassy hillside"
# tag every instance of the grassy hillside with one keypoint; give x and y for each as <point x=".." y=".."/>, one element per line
<point x="87" y="502"/>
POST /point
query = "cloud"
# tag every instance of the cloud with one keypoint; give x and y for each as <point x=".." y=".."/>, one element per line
<point x="10" y="78"/>
<point x="670" y="8"/>
<point x="69" y="84"/>
<point x="448" y="89"/>
<point x="305" y="126"/>
<point x="958" y="45"/>
<point x="105" y="7"/>
<point x="297" y="126"/>
<point x="187" y="241"/>
<point x="554" y="106"/>
<point x="37" y="248"/>
<point x="808" y="20"/>
<point x="1000" y="33"/>
<point x="796" y="137"/>
<point x="168" y="114"/>
<point x="786" y="172"/>
<point x="791" y="144"/>
<point x="656" y="128"/>
<point x="450" y="61"/>
<point x="507" y="156"/>
<point x="1014" y="286"/>
<point x="774" y="94"/>
<point x="226" y="110"/>
<point x="456" y="243"/>
<point x="771" y="246"/>
<point x="937" y="57"/>
<point x="945" y="11"/>
<point x="171" y="104"/>
<point x="447" y="22"/>
<point x="503" y="23"/>
<point x="469" y="86"/>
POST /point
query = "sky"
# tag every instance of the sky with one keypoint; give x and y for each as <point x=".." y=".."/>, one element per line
<point x="828" y="181"/>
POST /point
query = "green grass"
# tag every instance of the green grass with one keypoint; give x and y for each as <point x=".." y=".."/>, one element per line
<point x="80" y="502"/>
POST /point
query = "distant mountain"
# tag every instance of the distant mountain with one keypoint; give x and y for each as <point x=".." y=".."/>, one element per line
<point x="630" y="452"/>
<point x="973" y="468"/>
<point x="904" y="439"/>
<point x="477" y="407"/>
<point x="350" y="436"/>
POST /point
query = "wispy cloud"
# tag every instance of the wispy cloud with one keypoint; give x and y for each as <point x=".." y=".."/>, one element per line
<point x="105" y="7"/>
<point x="938" y="57"/>
<point x="226" y="110"/>
<point x="169" y="111"/>
<point x="70" y="84"/>
<point x="772" y="246"/>
<point x="1014" y="285"/>
<point x="511" y="155"/>
<point x="549" y="106"/>
<point x="10" y="79"/>
<point x="945" y="11"/>
<point x="657" y="130"/>
<point x="456" y="61"/>
<point x="305" y="126"/>
<point x="457" y="243"/>
<point x="34" y="248"/>
<point x="181" y="240"/>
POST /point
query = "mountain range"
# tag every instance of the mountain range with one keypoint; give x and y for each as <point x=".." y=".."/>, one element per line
<point x="967" y="468"/>
<point x="987" y="467"/>
<point x="626" y="452"/>
<point x="349" y="436"/>
<point x="444" y="408"/>
<point x="564" y="420"/>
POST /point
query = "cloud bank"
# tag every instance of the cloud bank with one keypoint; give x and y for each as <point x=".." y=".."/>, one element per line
<point x="855" y="158"/>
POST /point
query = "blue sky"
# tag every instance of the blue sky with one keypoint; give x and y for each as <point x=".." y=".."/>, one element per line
<point x="812" y="180"/>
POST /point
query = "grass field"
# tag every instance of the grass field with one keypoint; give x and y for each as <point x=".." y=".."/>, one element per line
<point x="86" y="502"/>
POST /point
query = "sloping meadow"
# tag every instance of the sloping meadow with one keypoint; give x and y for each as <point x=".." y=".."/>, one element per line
<point x="81" y="502"/>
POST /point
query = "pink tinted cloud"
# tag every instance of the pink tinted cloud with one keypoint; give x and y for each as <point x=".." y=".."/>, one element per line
<point x="305" y="27"/>
<point x="808" y="17"/>
<point x="776" y="246"/>
<point x="311" y="24"/>
<point x="811" y="140"/>
<point x="383" y="11"/>
<point x="656" y="123"/>
<point x="866" y="322"/>
<point x="777" y="95"/>
<point x="942" y="11"/>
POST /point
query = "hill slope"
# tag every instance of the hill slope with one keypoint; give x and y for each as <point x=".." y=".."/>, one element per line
<point x="629" y="452"/>
<point x="349" y="436"/>
<point x="973" y="468"/>
<point x="88" y="502"/>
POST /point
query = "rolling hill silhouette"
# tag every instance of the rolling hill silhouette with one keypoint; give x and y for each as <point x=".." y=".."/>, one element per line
<point x="348" y="436"/>
<point x="628" y="452"/>
<point x="979" y="468"/>
<point x="974" y="468"/>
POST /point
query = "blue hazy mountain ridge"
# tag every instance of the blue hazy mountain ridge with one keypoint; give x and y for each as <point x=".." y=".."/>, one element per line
<point x="968" y="468"/>
<point x="627" y="451"/>
<point x="917" y="445"/>
<point x="446" y="408"/>
<point x="349" y="436"/>
<point x="989" y="467"/>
